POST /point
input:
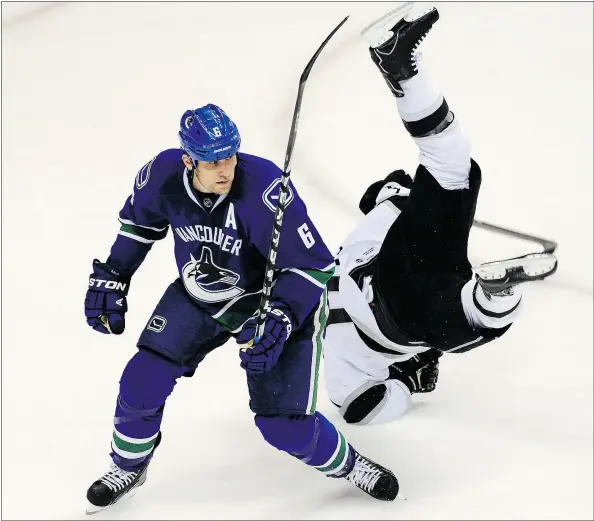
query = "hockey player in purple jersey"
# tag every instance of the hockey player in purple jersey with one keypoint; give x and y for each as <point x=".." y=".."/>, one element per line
<point x="220" y="204"/>
<point x="404" y="291"/>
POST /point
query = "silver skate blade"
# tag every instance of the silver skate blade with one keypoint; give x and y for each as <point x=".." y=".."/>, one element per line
<point x="535" y="265"/>
<point x="378" y="32"/>
<point x="93" y="509"/>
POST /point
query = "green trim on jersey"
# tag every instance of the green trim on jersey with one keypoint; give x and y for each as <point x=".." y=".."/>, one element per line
<point x="320" y="320"/>
<point x="144" y="233"/>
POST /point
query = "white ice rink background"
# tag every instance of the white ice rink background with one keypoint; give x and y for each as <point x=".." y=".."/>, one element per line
<point x="92" y="91"/>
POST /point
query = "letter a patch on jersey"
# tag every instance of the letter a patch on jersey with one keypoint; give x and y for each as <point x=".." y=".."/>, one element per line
<point x="230" y="220"/>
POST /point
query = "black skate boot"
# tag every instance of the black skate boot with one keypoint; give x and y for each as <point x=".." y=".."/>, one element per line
<point x="394" y="39"/>
<point x="377" y="481"/>
<point x="114" y="485"/>
<point x="499" y="278"/>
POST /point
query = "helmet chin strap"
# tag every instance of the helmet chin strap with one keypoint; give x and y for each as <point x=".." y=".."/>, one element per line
<point x="195" y="174"/>
<point x="206" y="190"/>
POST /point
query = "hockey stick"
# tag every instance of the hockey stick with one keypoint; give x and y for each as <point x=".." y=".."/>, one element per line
<point x="548" y="246"/>
<point x="283" y="193"/>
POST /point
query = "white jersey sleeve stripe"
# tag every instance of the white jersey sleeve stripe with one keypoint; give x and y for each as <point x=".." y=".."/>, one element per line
<point x="136" y="237"/>
<point x="127" y="221"/>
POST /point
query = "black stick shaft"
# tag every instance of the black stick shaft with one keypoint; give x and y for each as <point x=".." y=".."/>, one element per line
<point x="547" y="245"/>
<point x="283" y="192"/>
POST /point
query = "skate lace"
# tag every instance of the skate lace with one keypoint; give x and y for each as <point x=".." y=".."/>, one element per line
<point x="414" y="50"/>
<point x="364" y="474"/>
<point x="116" y="478"/>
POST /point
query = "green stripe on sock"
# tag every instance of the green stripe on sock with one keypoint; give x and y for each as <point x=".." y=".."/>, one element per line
<point x="335" y="463"/>
<point x="132" y="447"/>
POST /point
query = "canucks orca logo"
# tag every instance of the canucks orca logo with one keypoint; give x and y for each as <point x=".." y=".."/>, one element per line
<point x="206" y="281"/>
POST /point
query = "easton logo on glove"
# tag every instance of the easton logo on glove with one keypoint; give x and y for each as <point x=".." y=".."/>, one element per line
<point x="260" y="357"/>
<point x="108" y="284"/>
<point x="105" y="301"/>
<point x="285" y="319"/>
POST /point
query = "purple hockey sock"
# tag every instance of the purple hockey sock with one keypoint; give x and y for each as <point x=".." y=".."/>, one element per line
<point x="311" y="439"/>
<point x="146" y="382"/>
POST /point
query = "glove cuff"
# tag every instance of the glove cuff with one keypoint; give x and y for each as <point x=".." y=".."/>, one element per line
<point x="284" y="314"/>
<point x="408" y="380"/>
<point x="396" y="187"/>
<point x="391" y="189"/>
<point x="106" y="279"/>
<point x="109" y="269"/>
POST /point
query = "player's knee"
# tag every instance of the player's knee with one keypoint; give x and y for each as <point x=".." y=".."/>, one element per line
<point x="289" y="433"/>
<point x="375" y="404"/>
<point x="148" y="379"/>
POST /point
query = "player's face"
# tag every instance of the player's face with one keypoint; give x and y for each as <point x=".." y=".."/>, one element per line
<point x="216" y="177"/>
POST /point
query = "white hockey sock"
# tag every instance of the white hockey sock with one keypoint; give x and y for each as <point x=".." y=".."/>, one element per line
<point x="485" y="310"/>
<point x="443" y="145"/>
<point x="422" y="97"/>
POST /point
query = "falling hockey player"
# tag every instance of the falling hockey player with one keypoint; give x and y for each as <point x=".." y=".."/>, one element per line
<point x="220" y="204"/>
<point x="404" y="291"/>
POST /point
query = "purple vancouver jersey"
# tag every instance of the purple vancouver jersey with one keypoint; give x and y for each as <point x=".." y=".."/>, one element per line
<point x="222" y="241"/>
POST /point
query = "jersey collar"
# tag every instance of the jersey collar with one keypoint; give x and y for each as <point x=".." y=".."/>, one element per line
<point x="192" y="195"/>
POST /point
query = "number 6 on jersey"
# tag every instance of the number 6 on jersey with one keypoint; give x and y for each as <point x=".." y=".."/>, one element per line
<point x="306" y="236"/>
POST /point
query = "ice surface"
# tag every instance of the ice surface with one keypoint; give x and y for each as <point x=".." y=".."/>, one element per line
<point x="91" y="91"/>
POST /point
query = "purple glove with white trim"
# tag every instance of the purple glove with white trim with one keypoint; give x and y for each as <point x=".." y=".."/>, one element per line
<point x="262" y="357"/>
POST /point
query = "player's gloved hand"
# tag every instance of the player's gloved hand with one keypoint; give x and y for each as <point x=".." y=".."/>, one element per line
<point x="396" y="187"/>
<point x="261" y="357"/>
<point x="105" y="303"/>
<point x="419" y="373"/>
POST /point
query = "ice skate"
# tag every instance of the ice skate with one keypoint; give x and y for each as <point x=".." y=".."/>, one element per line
<point x="117" y="484"/>
<point x="114" y="485"/>
<point x="394" y="39"/>
<point x="499" y="277"/>
<point x="372" y="478"/>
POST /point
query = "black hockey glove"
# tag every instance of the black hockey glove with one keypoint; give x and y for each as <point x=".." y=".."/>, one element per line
<point x="419" y="373"/>
<point x="395" y="187"/>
